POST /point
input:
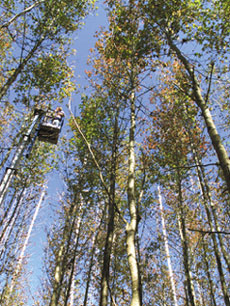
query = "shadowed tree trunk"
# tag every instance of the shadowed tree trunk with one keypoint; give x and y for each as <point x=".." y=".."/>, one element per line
<point x="111" y="215"/>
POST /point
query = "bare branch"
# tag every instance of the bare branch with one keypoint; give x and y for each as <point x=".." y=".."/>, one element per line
<point x="209" y="84"/>
<point x="208" y="232"/>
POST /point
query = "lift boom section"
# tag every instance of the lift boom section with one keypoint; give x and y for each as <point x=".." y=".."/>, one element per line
<point x="48" y="130"/>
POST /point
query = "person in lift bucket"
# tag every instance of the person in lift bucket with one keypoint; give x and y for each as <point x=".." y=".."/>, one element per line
<point x="58" y="115"/>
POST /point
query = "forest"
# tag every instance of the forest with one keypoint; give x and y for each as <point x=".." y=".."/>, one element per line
<point x="142" y="215"/>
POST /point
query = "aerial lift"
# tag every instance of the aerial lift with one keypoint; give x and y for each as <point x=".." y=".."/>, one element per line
<point x="46" y="126"/>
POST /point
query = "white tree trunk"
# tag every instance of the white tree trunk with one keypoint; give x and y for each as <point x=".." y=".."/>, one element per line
<point x="172" y="281"/>
<point x="22" y="253"/>
<point x="132" y="226"/>
<point x="73" y="284"/>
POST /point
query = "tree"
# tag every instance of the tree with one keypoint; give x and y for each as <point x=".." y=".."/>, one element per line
<point x="169" y="21"/>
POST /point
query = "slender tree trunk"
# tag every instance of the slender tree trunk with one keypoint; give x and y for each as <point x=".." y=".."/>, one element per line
<point x="172" y="282"/>
<point x="107" y="256"/>
<point x="132" y="225"/>
<point x="25" y="244"/>
<point x="201" y="299"/>
<point x="71" y="284"/>
<point x="206" y="191"/>
<point x="185" y="246"/>
<point x="9" y="211"/>
<point x="19" y="69"/>
<point x="12" y="242"/>
<point x="214" y="240"/>
<point x="61" y="259"/>
<point x="207" y="198"/>
<point x="201" y="103"/>
<point x="210" y="281"/>
<point x="139" y="262"/>
<point x="90" y="269"/>
<point x="186" y="294"/>
<point x="14" y="143"/>
<point x="91" y="261"/>
<point x="111" y="215"/>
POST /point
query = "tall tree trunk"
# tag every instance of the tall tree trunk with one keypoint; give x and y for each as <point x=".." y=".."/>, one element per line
<point x="131" y="227"/>
<point x="185" y="246"/>
<point x="210" y="280"/>
<point x="201" y="299"/>
<point x="25" y="244"/>
<point x="17" y="139"/>
<point x="61" y="259"/>
<point x="91" y="261"/>
<point x="90" y="269"/>
<point x="71" y="283"/>
<point x="201" y="103"/>
<point x="111" y="215"/>
<point x="139" y="263"/>
<point x="172" y="282"/>
<point x="206" y="199"/>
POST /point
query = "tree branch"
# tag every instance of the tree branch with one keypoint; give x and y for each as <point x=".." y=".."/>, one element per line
<point x="209" y="84"/>
<point x="208" y="232"/>
<point x="28" y="9"/>
<point x="194" y="166"/>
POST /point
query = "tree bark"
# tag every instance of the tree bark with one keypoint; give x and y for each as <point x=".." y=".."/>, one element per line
<point x="25" y="244"/>
<point x="216" y="227"/>
<point x="172" y="282"/>
<point x="206" y="199"/>
<point x="132" y="225"/>
<point x="61" y="259"/>
<point x="111" y="215"/>
<point x="185" y="246"/>
<point x="71" y="283"/>
<point x="91" y="263"/>
<point x="210" y="281"/>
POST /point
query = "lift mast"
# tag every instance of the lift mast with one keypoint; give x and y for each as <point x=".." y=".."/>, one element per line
<point x="10" y="171"/>
<point x="49" y="125"/>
